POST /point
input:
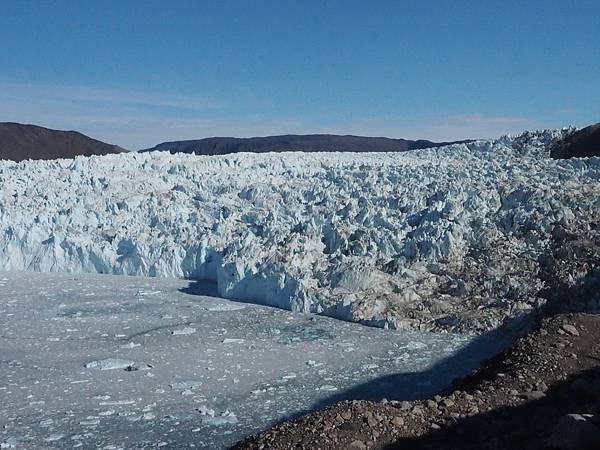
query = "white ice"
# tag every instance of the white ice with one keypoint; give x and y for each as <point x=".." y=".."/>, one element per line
<point x="389" y="239"/>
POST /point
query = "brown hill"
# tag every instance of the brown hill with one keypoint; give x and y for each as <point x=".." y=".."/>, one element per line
<point x="19" y="142"/>
<point x="583" y="143"/>
<point x="293" y="142"/>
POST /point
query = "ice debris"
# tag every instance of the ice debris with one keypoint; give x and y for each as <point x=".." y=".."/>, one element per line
<point x="130" y="345"/>
<point x="210" y="418"/>
<point x="183" y="331"/>
<point x="110" y="364"/>
<point x="233" y="341"/>
<point x="187" y="384"/>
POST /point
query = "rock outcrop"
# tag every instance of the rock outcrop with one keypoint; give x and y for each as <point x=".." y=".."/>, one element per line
<point x="582" y="143"/>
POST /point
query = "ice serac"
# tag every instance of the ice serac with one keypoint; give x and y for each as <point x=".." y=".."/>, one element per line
<point x="451" y="238"/>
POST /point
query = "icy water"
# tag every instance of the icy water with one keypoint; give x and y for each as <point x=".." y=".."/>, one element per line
<point x="98" y="361"/>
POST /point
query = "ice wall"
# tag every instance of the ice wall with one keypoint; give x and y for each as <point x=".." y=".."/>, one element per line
<point x="447" y="238"/>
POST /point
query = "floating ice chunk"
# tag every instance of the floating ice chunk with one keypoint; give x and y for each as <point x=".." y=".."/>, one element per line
<point x="117" y="402"/>
<point x="225" y="307"/>
<point x="401" y="358"/>
<point x="206" y="411"/>
<point x="187" y="384"/>
<point x="54" y="437"/>
<point x="327" y="387"/>
<point x="183" y="331"/>
<point x="144" y="293"/>
<point x="311" y="363"/>
<point x="130" y="345"/>
<point x="369" y="366"/>
<point x="90" y="422"/>
<point x="110" y="364"/>
<point x="11" y="442"/>
<point x="415" y="345"/>
<point x="232" y="341"/>
<point x="225" y="418"/>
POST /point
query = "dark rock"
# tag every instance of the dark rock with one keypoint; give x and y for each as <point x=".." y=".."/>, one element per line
<point x="290" y="142"/>
<point x="570" y="329"/>
<point x="358" y="445"/>
<point x="580" y="144"/>
<point x="398" y="421"/>
<point x="533" y="395"/>
<point x="19" y="142"/>
<point x="581" y="387"/>
<point x="575" y="432"/>
<point x="448" y="403"/>
<point x="405" y="406"/>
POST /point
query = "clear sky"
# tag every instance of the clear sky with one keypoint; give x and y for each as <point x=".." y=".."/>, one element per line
<point x="136" y="73"/>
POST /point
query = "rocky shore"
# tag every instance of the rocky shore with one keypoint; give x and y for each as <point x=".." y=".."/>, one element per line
<point x="542" y="393"/>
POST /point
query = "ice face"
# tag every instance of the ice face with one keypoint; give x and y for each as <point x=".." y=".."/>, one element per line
<point x="447" y="238"/>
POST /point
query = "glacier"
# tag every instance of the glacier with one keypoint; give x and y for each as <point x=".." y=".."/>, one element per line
<point x="446" y="239"/>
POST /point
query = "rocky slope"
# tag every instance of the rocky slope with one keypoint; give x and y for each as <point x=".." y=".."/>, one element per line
<point x="20" y="142"/>
<point x="582" y="143"/>
<point x="291" y="142"/>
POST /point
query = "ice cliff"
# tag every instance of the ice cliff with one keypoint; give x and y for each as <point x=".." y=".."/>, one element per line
<point x="452" y="238"/>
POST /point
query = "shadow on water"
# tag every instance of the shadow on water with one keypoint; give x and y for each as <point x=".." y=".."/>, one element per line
<point x="201" y="287"/>
<point x="411" y="385"/>
<point x="424" y="384"/>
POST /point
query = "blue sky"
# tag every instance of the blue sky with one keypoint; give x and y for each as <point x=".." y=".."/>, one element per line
<point x="136" y="73"/>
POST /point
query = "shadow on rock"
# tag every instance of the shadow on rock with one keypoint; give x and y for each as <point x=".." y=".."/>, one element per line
<point x="566" y="417"/>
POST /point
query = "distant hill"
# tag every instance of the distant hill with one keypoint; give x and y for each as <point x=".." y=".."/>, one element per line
<point x="580" y="144"/>
<point x="19" y="142"/>
<point x="292" y="142"/>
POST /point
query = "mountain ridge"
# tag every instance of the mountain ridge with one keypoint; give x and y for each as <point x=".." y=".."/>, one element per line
<point x="19" y="142"/>
<point x="294" y="142"/>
